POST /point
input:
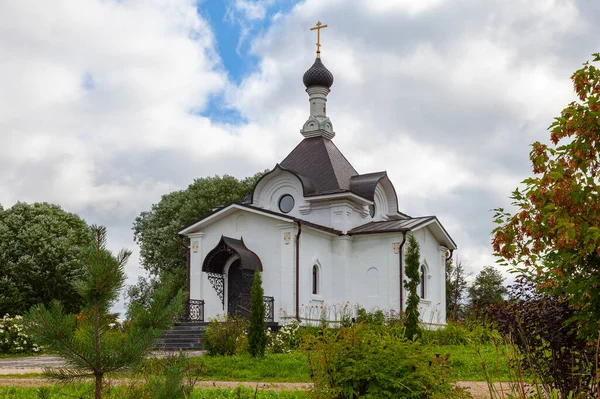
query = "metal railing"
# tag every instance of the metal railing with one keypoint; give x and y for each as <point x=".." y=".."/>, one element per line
<point x="194" y="311"/>
<point x="269" y="308"/>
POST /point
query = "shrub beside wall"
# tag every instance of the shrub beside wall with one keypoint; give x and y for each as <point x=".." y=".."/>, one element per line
<point x="226" y="336"/>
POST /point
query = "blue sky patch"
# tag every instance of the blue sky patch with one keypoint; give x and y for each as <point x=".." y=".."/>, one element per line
<point x="88" y="82"/>
<point x="229" y="26"/>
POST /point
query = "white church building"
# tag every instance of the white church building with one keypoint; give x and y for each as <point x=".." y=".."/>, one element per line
<point x="322" y="234"/>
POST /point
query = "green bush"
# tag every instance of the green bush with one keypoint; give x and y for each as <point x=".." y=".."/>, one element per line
<point x="367" y="361"/>
<point x="226" y="336"/>
<point x="13" y="338"/>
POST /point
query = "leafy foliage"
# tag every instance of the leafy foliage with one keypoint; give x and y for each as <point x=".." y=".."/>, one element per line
<point x="456" y="286"/>
<point x="537" y="324"/>
<point x="41" y="254"/>
<point x="90" y="347"/>
<point x="156" y="230"/>
<point x="257" y="336"/>
<point x="364" y="361"/>
<point x="413" y="261"/>
<point x="554" y="237"/>
<point x="487" y="289"/>
<point x="225" y="336"/>
<point x="14" y="338"/>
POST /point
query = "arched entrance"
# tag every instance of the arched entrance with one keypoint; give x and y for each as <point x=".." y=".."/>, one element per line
<point x="230" y="267"/>
<point x="239" y="286"/>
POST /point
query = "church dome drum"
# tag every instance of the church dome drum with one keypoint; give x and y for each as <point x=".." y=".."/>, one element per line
<point x="318" y="75"/>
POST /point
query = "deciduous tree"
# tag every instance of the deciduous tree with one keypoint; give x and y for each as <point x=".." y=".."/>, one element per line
<point x="554" y="237"/>
<point x="487" y="289"/>
<point x="41" y="254"/>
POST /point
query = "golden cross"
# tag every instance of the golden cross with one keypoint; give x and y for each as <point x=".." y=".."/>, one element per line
<point x="318" y="29"/>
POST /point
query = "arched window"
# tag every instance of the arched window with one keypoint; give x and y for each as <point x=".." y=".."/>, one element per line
<point x="423" y="279"/>
<point x="315" y="280"/>
<point x="373" y="282"/>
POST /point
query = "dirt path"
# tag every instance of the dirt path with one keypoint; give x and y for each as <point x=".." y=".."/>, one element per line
<point x="11" y="368"/>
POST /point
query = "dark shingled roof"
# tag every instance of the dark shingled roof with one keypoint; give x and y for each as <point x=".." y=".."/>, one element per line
<point x="318" y="75"/>
<point x="321" y="166"/>
<point x="390" y="226"/>
<point x="364" y="185"/>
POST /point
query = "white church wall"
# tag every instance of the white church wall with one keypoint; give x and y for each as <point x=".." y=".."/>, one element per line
<point x="315" y="249"/>
<point x="277" y="258"/>
<point x="374" y="284"/>
<point x="432" y="307"/>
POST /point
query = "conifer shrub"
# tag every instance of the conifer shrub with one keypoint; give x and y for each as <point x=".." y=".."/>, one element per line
<point x="257" y="336"/>
<point x="413" y="261"/>
<point x="88" y="342"/>
<point x="368" y="361"/>
<point x="226" y="336"/>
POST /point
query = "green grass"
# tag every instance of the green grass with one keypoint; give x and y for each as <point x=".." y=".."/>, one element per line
<point x="290" y="367"/>
<point x="86" y="390"/>
<point x="465" y="362"/>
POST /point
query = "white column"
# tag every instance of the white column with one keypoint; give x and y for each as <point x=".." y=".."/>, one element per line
<point x="287" y="293"/>
<point x="196" y="258"/>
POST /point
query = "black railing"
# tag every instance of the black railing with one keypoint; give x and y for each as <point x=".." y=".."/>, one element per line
<point x="269" y="308"/>
<point x="241" y="306"/>
<point x="194" y="311"/>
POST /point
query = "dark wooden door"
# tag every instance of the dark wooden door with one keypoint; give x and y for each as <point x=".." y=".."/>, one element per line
<point x="239" y="285"/>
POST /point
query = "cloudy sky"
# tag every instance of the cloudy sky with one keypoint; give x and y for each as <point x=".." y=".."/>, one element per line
<point x="105" y="105"/>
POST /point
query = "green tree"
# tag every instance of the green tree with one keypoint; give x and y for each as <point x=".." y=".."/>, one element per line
<point x="41" y="254"/>
<point x="413" y="261"/>
<point x="90" y="345"/>
<point x="162" y="251"/>
<point x="257" y="336"/>
<point x="554" y="238"/>
<point x="487" y="289"/>
<point x="456" y="286"/>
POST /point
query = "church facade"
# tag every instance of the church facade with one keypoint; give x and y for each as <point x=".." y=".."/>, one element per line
<point x="321" y="233"/>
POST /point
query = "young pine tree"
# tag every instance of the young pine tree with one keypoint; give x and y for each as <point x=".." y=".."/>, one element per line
<point x="412" y="272"/>
<point x="90" y="346"/>
<point x="257" y="336"/>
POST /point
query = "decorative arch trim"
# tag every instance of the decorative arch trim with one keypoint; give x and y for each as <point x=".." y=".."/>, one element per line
<point x="218" y="257"/>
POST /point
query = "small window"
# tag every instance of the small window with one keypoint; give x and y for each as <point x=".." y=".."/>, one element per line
<point x="315" y="280"/>
<point x="286" y="203"/>
<point x="422" y="285"/>
<point x="372" y="210"/>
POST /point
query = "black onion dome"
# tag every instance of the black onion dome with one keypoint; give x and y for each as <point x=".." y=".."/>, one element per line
<point x="318" y="75"/>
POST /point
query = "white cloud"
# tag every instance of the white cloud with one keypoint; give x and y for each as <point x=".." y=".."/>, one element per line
<point x="101" y="100"/>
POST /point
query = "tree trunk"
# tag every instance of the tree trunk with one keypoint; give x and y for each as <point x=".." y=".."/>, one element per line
<point x="99" y="385"/>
